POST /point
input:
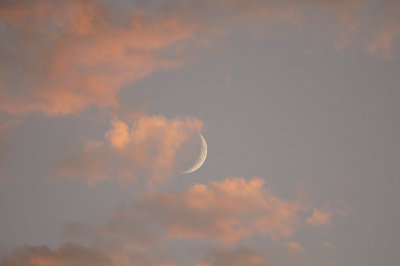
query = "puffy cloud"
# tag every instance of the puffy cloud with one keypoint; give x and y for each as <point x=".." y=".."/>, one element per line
<point x="118" y="136"/>
<point x="147" y="147"/>
<point x="320" y="218"/>
<point x="226" y="212"/>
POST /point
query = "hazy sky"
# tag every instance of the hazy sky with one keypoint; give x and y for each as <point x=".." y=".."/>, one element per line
<point x="298" y="100"/>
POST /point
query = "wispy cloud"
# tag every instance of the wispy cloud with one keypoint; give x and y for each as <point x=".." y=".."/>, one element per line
<point x="60" y="58"/>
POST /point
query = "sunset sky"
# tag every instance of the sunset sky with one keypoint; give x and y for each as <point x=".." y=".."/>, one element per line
<point x="101" y="107"/>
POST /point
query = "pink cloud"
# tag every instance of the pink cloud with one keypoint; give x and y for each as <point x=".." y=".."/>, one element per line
<point x="296" y="247"/>
<point x="60" y="58"/>
<point x="227" y="212"/>
<point x="145" y="148"/>
<point x="384" y="37"/>
<point x="236" y="208"/>
<point x="72" y="254"/>
<point x="383" y="40"/>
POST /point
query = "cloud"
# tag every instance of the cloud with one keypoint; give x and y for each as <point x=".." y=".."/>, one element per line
<point x="344" y="210"/>
<point x="234" y="257"/>
<point x="220" y="215"/>
<point x="296" y="247"/>
<point x="147" y="147"/>
<point x="65" y="255"/>
<point x="119" y="135"/>
<point x="226" y="212"/>
<point x="328" y="245"/>
<point x="383" y="39"/>
<point x="60" y="58"/>
<point x="161" y="228"/>
<point x="320" y="218"/>
<point x="73" y="254"/>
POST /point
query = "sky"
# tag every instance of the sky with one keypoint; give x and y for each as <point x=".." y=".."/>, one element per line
<point x="101" y="107"/>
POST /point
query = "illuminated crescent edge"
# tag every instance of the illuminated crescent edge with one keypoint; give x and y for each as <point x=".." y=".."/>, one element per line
<point x="202" y="156"/>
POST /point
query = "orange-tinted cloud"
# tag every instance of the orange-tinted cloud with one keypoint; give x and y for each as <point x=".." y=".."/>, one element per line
<point x="220" y="215"/>
<point x="60" y="58"/>
<point x="296" y="247"/>
<point x="320" y="218"/>
<point x="234" y="208"/>
<point x="147" y="147"/>
<point x="234" y="257"/>
<point x="65" y="255"/>
<point x="226" y="211"/>
<point x="72" y="254"/>
<point x="383" y="40"/>
<point x="328" y="245"/>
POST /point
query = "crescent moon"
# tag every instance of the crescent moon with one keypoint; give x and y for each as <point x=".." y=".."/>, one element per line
<point x="202" y="156"/>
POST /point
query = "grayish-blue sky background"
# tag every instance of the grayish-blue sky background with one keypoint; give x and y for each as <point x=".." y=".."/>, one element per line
<point x="300" y="101"/>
